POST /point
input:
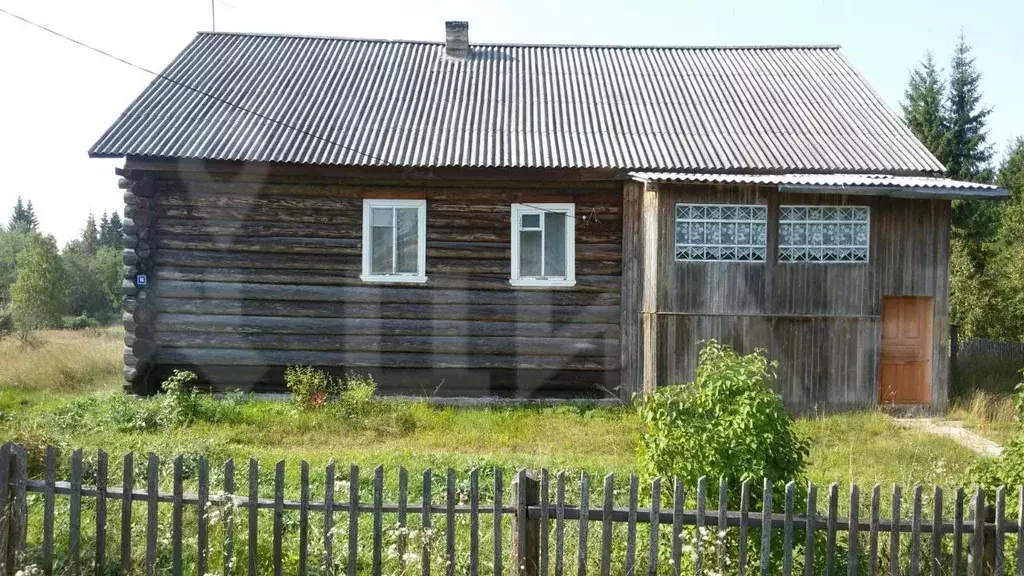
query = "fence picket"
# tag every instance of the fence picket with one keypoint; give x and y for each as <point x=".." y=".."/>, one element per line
<point x="353" y="519"/>
<point x="403" y="519"/>
<point x="228" y="520"/>
<point x="152" y="493"/>
<point x="978" y="541"/>
<point x="50" y="476"/>
<point x="474" y="522"/>
<point x="606" y="525"/>
<point x="329" y="479"/>
<point x="766" y="527"/>
<point x="631" y="526"/>
<point x="202" y="518"/>
<point x="894" y="533"/>
<point x="741" y="552"/>
<point x="652" y="547"/>
<point x="127" y="486"/>
<point x="831" y="528"/>
<point x="560" y="525"/>
<point x="100" y="559"/>
<point x="677" y="525"/>
<point x="253" y="516"/>
<point x="787" y="531"/>
<point x="449" y="523"/>
<point x="278" y="525"/>
<point x="937" y="532"/>
<point x="876" y="500"/>
<point x="427" y="505"/>
<point x="75" y="514"/>
<point x="581" y="549"/>
<point x="545" y="523"/>
<point x="5" y="488"/>
<point x="915" y="534"/>
<point x="499" y="488"/>
<point x="176" y="513"/>
<point x="1000" y="567"/>
<point x="698" y="549"/>
<point x="378" y="518"/>
<point x="303" y="517"/>
<point x="958" y="531"/>
<point x="723" y="508"/>
<point x="853" y="550"/>
<point x="19" y="512"/>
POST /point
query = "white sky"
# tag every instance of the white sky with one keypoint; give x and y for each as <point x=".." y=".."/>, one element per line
<point x="57" y="98"/>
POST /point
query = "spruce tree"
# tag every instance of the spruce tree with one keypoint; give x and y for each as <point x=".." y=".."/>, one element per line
<point x="17" y="220"/>
<point x="90" y="235"/>
<point x="969" y="153"/>
<point x="922" y="110"/>
<point x="30" y="217"/>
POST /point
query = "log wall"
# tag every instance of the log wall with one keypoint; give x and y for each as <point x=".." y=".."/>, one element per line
<point x="256" y="272"/>
<point x="822" y="322"/>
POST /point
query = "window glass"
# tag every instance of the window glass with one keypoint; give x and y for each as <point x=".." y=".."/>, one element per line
<point x="721" y="232"/>
<point x="393" y="243"/>
<point x="542" y="244"/>
<point x="554" y="244"/>
<point x="824" y="233"/>
<point x="530" y="253"/>
<point x="407" y="242"/>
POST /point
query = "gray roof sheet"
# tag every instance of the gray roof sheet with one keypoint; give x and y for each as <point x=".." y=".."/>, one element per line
<point x="839" y="183"/>
<point x="377" y="102"/>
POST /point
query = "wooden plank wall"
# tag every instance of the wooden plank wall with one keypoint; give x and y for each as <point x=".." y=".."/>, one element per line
<point x="257" y="272"/>
<point x="820" y="321"/>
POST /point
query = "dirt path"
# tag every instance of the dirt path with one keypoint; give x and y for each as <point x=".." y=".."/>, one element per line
<point x="954" y="430"/>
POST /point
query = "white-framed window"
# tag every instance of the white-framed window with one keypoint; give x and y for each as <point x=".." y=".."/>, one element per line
<point x="543" y="244"/>
<point x="394" y="241"/>
<point x="830" y="234"/>
<point x="721" y="232"/>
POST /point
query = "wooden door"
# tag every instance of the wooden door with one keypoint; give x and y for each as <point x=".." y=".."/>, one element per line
<point x="906" y="351"/>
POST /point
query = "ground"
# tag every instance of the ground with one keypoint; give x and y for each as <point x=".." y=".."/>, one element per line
<point x="62" y="390"/>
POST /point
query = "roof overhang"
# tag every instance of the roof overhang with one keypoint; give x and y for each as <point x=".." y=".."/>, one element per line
<point x="854" y="184"/>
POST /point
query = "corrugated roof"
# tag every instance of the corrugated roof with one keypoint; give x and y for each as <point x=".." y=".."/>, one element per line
<point x="839" y="183"/>
<point x="375" y="102"/>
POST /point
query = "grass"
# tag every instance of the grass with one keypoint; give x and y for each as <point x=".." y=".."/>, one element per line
<point x="64" y="391"/>
<point x="992" y="415"/>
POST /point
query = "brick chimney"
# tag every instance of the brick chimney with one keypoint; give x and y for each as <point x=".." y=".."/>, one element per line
<point x="456" y="39"/>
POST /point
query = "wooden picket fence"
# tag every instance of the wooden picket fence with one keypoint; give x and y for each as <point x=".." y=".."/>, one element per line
<point x="536" y="519"/>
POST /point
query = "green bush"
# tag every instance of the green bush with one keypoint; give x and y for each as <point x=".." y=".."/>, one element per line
<point x="181" y="405"/>
<point x="6" y="322"/>
<point x="727" y="423"/>
<point x="80" y="322"/>
<point x="357" y="395"/>
<point x="310" y="388"/>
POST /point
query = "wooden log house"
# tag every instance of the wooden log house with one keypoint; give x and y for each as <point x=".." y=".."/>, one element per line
<point x="485" y="220"/>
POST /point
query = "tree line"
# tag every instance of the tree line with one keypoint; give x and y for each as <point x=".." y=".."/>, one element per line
<point x="944" y="110"/>
<point x="42" y="286"/>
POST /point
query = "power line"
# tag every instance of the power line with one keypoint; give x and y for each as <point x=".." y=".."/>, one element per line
<point x="243" y="109"/>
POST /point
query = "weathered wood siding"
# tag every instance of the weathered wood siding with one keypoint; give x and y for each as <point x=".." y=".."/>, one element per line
<point x="255" y="273"/>
<point x="822" y="322"/>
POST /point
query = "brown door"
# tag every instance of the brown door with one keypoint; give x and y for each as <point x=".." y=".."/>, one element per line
<point x="906" y="351"/>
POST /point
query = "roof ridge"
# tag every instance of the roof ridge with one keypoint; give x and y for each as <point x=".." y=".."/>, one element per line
<point x="535" y="44"/>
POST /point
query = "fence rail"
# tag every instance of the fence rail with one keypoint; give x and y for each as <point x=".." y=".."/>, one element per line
<point x="662" y="536"/>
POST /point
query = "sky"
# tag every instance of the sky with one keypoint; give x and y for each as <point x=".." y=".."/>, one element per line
<point x="57" y="98"/>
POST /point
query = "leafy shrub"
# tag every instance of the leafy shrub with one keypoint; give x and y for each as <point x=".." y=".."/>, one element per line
<point x="81" y="322"/>
<point x="6" y="322"/>
<point x="129" y="413"/>
<point x="357" y="395"/>
<point x="181" y="404"/>
<point x="310" y="388"/>
<point x="727" y="423"/>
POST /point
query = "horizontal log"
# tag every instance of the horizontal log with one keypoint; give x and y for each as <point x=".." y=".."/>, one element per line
<point x="204" y="356"/>
<point x="373" y="294"/>
<point x="387" y="345"/>
<point x="377" y="326"/>
<point x="610" y="283"/>
<point x="479" y="312"/>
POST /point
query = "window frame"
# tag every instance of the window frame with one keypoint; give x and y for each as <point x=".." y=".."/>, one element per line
<point x="421" y="241"/>
<point x="867" y="223"/>
<point x="676" y="220"/>
<point x="569" y="209"/>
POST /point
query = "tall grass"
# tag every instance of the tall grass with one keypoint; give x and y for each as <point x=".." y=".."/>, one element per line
<point x="63" y="361"/>
<point x="991" y="414"/>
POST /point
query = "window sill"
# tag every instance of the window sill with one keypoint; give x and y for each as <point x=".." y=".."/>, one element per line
<point x="532" y="283"/>
<point x="394" y="279"/>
